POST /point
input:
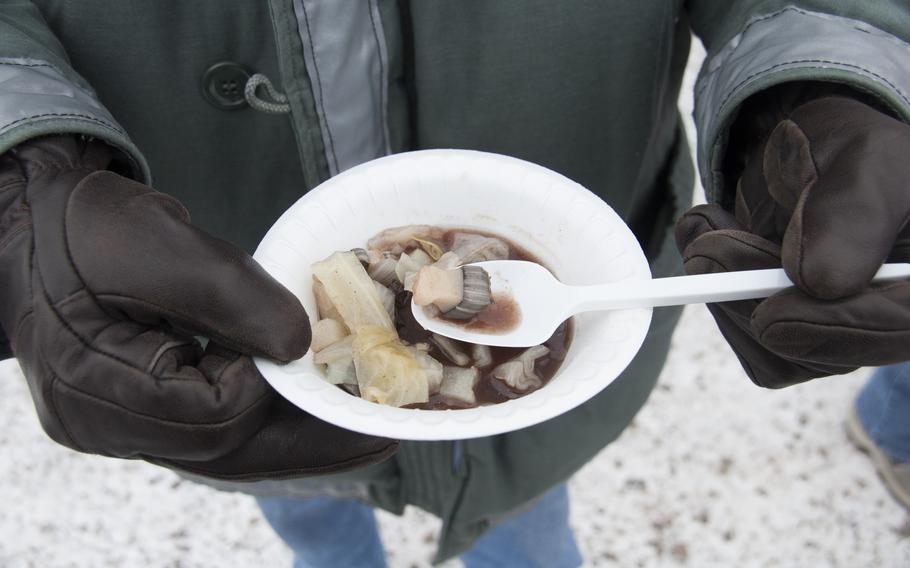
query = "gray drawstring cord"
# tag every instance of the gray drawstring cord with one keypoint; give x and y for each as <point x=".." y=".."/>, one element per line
<point x="280" y="106"/>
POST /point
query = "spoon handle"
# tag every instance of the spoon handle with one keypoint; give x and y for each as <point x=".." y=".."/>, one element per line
<point x="698" y="289"/>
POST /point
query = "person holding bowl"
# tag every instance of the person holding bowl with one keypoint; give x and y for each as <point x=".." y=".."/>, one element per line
<point x="232" y="110"/>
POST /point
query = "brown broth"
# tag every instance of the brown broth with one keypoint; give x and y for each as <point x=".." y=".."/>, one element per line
<point x="493" y="391"/>
<point x="499" y="317"/>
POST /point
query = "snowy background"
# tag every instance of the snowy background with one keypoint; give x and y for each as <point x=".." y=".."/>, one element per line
<point x="713" y="472"/>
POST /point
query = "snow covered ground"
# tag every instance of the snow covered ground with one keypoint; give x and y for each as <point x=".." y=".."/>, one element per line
<point x="713" y="472"/>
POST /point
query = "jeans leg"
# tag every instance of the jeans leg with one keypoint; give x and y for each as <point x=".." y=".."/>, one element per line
<point x="883" y="407"/>
<point x="538" y="537"/>
<point x="326" y="531"/>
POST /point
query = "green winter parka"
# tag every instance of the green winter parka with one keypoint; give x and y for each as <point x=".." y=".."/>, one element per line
<point x="587" y="88"/>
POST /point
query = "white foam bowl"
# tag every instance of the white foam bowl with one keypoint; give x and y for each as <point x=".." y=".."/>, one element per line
<point x="572" y="231"/>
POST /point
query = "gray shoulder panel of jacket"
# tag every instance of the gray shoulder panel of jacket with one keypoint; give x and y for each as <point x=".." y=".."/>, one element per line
<point x="36" y="100"/>
<point x="346" y="59"/>
<point x="793" y="45"/>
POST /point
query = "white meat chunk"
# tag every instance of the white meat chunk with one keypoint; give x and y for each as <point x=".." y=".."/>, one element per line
<point x="411" y="263"/>
<point x="341" y="372"/>
<point x="482" y="355"/>
<point x="519" y="373"/>
<point x="458" y="384"/>
<point x="442" y="288"/>
<point x="433" y="368"/>
<point x="403" y="237"/>
<point x="387" y="297"/>
<point x="477" y="248"/>
<point x="326" y="332"/>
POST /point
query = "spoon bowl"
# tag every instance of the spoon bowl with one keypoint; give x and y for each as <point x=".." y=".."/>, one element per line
<point x="541" y="300"/>
<point x="544" y="302"/>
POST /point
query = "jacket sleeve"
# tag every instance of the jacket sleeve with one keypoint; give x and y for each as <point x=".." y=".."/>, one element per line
<point x="40" y="92"/>
<point x="753" y="45"/>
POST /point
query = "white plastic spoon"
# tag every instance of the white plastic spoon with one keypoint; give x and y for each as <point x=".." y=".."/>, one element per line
<point x="545" y="302"/>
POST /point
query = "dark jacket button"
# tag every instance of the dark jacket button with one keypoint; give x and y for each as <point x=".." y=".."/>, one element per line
<point x="223" y="83"/>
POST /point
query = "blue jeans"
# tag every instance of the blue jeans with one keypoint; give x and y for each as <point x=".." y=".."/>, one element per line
<point x="883" y="407"/>
<point x="342" y="533"/>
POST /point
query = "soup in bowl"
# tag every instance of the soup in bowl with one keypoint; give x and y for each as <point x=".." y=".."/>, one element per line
<point x="544" y="215"/>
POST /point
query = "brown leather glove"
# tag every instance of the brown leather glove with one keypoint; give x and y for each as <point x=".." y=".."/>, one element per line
<point x="103" y="286"/>
<point x="825" y="195"/>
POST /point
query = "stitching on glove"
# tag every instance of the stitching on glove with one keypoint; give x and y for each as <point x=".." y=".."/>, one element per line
<point x="15" y="336"/>
<point x="831" y="326"/>
<point x="208" y="425"/>
<point x="12" y="181"/>
<point x="709" y="259"/>
<point x="77" y="295"/>
<point x="717" y="262"/>
<point x="216" y="336"/>
<point x="85" y="288"/>
<point x="9" y="237"/>
<point x="800" y="252"/>
<point x="58" y="413"/>
<point x="708" y="220"/>
<point x="216" y="382"/>
<point x="90" y="344"/>
<point x="85" y="343"/>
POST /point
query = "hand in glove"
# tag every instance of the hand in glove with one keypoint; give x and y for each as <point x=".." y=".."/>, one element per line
<point x="103" y="286"/>
<point x="826" y="195"/>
